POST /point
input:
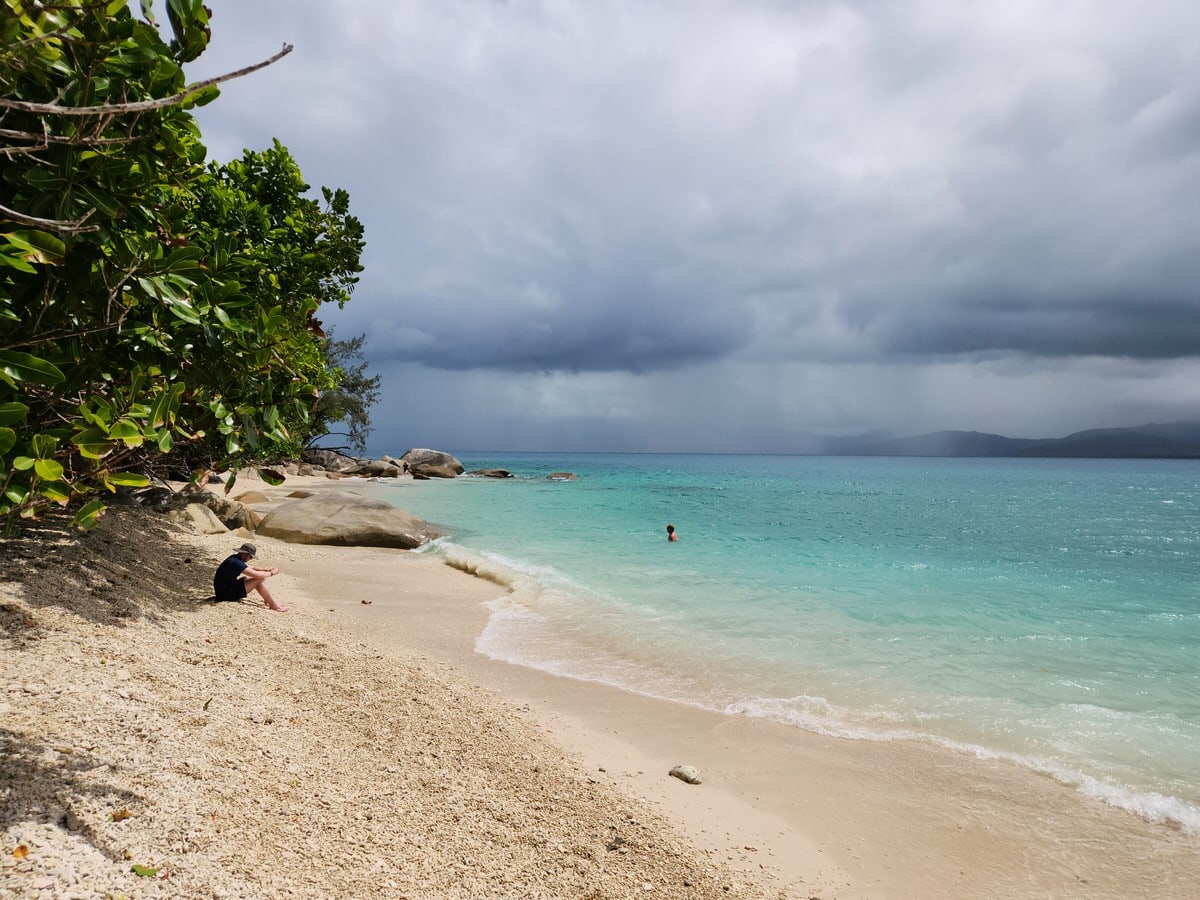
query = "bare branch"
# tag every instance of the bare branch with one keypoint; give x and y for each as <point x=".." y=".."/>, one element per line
<point x="60" y="225"/>
<point x="40" y="141"/>
<point x="143" y="106"/>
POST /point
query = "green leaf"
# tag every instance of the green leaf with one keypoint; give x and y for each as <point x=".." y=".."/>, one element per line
<point x="38" y="246"/>
<point x="57" y="491"/>
<point x="165" y="441"/>
<point x="144" y="871"/>
<point x="127" y="432"/>
<point x="44" y="445"/>
<point x="128" y="479"/>
<point x="165" y="406"/>
<point x="93" y="443"/>
<point x="48" y="469"/>
<point x="17" y="494"/>
<point x="183" y="259"/>
<point x="25" y="367"/>
<point x="89" y="515"/>
<point x="250" y="430"/>
<point x="23" y="463"/>
<point x="8" y="438"/>
<point x="11" y="413"/>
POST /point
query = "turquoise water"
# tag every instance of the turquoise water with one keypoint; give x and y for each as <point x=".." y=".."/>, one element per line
<point x="1044" y="611"/>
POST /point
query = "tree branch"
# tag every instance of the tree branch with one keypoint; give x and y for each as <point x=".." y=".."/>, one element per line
<point x="76" y="227"/>
<point x="143" y="106"/>
<point x="40" y="141"/>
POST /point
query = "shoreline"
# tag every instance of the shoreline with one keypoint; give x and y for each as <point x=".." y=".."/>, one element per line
<point x="833" y="816"/>
<point x="781" y="812"/>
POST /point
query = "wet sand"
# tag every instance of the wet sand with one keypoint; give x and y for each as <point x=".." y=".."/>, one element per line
<point x="815" y="814"/>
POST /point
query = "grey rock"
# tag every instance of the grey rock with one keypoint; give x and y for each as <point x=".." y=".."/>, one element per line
<point x="345" y="518"/>
<point x="375" y="468"/>
<point x="562" y="476"/>
<point x="434" y="463"/>
<point x="330" y="460"/>
<point x="689" y="774"/>
<point x="434" y="472"/>
<point x="200" y="517"/>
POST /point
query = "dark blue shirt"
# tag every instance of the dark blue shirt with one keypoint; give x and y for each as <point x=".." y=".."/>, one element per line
<point x="226" y="583"/>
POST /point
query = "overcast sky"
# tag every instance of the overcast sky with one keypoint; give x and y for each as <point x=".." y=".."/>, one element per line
<point x="712" y="225"/>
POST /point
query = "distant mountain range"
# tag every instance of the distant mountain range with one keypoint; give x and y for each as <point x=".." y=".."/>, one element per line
<point x="1175" y="440"/>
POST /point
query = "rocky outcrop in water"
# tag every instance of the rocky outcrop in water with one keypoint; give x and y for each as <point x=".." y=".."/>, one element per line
<point x="432" y="463"/>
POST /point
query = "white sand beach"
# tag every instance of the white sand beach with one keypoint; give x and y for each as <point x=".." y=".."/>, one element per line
<point x="357" y="746"/>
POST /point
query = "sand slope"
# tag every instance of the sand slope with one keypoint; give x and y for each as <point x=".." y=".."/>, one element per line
<point x="243" y="753"/>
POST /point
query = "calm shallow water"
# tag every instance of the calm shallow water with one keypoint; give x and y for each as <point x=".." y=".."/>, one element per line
<point x="1039" y="610"/>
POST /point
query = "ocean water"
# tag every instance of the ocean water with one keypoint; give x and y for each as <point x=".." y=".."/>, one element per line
<point x="1043" y="611"/>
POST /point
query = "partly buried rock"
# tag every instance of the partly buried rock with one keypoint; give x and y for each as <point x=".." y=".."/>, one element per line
<point x="432" y="463"/>
<point x="561" y="476"/>
<point x="252" y="497"/>
<point x="690" y="774"/>
<point x="234" y="514"/>
<point x="345" y="518"/>
<point x="199" y="517"/>
<point x="492" y="473"/>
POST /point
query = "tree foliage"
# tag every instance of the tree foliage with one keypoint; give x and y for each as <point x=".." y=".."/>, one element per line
<point x="149" y="304"/>
<point x="350" y="399"/>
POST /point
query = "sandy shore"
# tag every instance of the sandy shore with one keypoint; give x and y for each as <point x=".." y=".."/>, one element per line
<point x="357" y="746"/>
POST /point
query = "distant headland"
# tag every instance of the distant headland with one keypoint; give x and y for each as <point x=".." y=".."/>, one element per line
<point x="1175" y="440"/>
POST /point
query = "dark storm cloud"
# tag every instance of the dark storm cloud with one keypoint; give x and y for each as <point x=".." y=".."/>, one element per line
<point x="1147" y="329"/>
<point x="597" y="187"/>
<point x="661" y="187"/>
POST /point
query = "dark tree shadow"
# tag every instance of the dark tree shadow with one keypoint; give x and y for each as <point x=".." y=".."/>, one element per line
<point x="31" y="790"/>
<point x="127" y="567"/>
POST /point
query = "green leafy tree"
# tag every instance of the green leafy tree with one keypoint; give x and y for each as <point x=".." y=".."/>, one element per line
<point x="350" y="399"/>
<point x="136" y="319"/>
<point x="273" y="257"/>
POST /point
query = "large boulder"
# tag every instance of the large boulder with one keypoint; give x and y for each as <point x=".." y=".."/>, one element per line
<point x="345" y="518"/>
<point x="330" y="460"/>
<point x="432" y="463"/>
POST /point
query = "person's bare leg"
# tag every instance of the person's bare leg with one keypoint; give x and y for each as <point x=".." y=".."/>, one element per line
<point x="259" y="584"/>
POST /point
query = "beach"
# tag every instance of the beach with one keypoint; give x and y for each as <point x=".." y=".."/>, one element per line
<point x="358" y="746"/>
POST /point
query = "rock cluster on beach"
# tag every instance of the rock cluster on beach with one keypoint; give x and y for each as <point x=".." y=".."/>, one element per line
<point x="417" y="463"/>
<point x="342" y="518"/>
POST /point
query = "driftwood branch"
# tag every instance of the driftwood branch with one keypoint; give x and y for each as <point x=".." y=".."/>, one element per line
<point x="116" y="109"/>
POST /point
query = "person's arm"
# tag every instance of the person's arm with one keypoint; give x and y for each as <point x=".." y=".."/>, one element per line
<point x="255" y="572"/>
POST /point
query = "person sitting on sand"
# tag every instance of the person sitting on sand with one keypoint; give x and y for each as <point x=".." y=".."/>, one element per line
<point x="671" y="535"/>
<point x="235" y="578"/>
